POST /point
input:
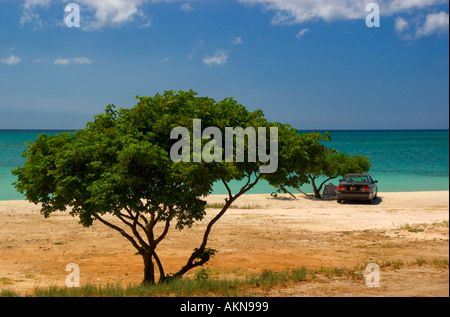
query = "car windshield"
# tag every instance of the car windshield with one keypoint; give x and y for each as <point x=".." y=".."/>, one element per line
<point x="355" y="179"/>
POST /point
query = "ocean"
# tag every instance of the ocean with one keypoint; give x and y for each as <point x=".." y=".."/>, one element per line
<point x="402" y="161"/>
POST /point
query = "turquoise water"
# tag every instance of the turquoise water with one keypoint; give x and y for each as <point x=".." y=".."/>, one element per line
<point x="406" y="160"/>
<point x="416" y="160"/>
<point x="12" y="145"/>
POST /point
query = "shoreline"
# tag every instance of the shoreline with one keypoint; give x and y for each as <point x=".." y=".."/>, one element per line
<point x="295" y="194"/>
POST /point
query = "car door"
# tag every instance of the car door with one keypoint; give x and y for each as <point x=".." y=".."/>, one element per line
<point x="373" y="185"/>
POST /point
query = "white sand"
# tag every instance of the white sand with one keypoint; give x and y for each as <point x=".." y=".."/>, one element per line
<point x="390" y="210"/>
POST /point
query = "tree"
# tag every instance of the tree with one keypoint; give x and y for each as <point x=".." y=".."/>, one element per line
<point x="311" y="160"/>
<point x="301" y="154"/>
<point x="335" y="164"/>
<point x="120" y="165"/>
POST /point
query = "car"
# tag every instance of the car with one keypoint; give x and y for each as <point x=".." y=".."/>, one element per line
<point x="357" y="187"/>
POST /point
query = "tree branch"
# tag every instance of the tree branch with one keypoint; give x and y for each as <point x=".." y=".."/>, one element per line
<point x="164" y="233"/>
<point x="162" y="275"/>
<point x="133" y="227"/>
<point x="191" y="263"/>
<point x="321" y="185"/>
<point x="287" y="192"/>
<point x="227" y="187"/>
<point x="247" y="187"/>
<point x="121" y="231"/>
<point x="302" y="192"/>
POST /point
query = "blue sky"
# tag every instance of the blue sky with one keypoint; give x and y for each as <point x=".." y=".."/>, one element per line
<point x="312" y="64"/>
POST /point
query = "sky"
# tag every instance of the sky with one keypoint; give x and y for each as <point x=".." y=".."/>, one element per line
<point x="314" y="64"/>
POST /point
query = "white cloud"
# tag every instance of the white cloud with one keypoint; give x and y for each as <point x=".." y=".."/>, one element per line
<point x="194" y="50"/>
<point x="166" y="60"/>
<point x="186" y="7"/>
<point x="238" y="41"/>
<point x="62" y="61"/>
<point x="293" y="12"/>
<point x="307" y="11"/>
<point x="401" y="25"/>
<point x="116" y="13"/>
<point x="146" y="24"/>
<point x="219" y="58"/>
<point x="110" y="13"/>
<point x="30" y="14"/>
<point x="96" y="14"/>
<point x="399" y="6"/>
<point x="302" y="32"/>
<point x="69" y="61"/>
<point x="11" y="60"/>
<point x="297" y="12"/>
<point x="82" y="60"/>
<point x="435" y="23"/>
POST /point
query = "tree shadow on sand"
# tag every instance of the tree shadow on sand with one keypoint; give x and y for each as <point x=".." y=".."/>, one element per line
<point x="376" y="201"/>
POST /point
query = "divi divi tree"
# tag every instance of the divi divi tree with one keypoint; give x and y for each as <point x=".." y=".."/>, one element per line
<point x="120" y="165"/>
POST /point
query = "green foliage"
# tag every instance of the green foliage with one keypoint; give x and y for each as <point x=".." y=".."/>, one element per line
<point x="310" y="159"/>
<point x="8" y="293"/>
<point x="201" y="275"/>
<point x="205" y="254"/>
<point x="334" y="164"/>
<point x="122" y="158"/>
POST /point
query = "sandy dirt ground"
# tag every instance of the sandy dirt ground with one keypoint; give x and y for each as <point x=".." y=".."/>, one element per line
<point x="406" y="234"/>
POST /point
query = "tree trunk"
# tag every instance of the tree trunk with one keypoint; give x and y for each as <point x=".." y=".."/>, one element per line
<point x="323" y="183"/>
<point x="316" y="191"/>
<point x="301" y="191"/>
<point x="149" y="269"/>
<point x="288" y="192"/>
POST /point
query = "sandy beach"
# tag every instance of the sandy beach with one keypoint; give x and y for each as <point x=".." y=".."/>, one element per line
<point x="406" y="234"/>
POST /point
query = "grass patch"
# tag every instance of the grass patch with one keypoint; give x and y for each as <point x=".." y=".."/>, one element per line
<point x="443" y="224"/>
<point x="415" y="228"/>
<point x="221" y="205"/>
<point x="420" y="227"/>
<point x="8" y="293"/>
<point x="200" y="285"/>
<point x="336" y="272"/>
<point x="421" y="261"/>
<point x="395" y="264"/>
<point x="441" y="263"/>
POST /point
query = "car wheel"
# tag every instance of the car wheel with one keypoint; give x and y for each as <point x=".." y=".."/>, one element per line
<point x="371" y="200"/>
<point x="339" y="201"/>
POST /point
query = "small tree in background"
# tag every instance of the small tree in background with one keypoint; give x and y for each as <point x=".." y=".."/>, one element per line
<point x="311" y="159"/>
<point x="337" y="164"/>
<point x="304" y="152"/>
<point x="120" y="166"/>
